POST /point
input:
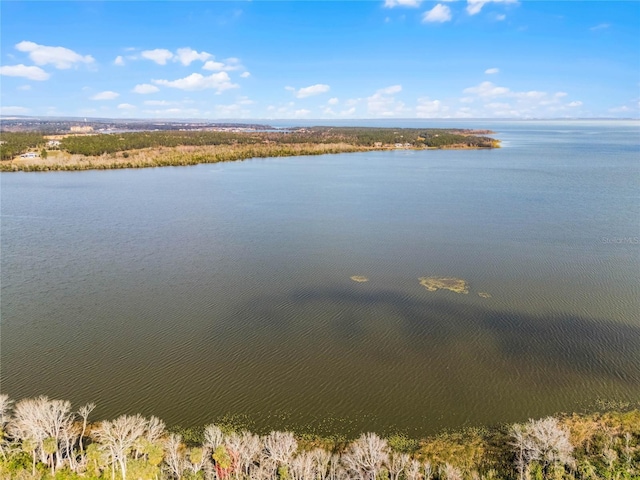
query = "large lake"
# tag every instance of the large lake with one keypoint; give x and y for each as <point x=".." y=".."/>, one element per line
<point x="192" y="293"/>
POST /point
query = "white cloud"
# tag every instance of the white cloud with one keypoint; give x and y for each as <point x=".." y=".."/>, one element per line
<point x="214" y="66"/>
<point x="440" y="13"/>
<point x="59" y="57"/>
<point x="383" y="104"/>
<point x="501" y="17"/>
<point x="245" y="75"/>
<point x="333" y="101"/>
<point x="30" y="72"/>
<point x="601" y="26"/>
<point x="195" y="81"/>
<point x="119" y="61"/>
<point x="312" y="90"/>
<point x="13" y="110"/>
<point x="348" y="112"/>
<point x="159" y="103"/>
<point x="389" y="90"/>
<point x="474" y="6"/>
<point x="301" y="113"/>
<point x="186" y="56"/>
<point x="500" y="101"/>
<point x="174" y="112"/>
<point x="427" y="108"/>
<point x="24" y="87"/>
<point x="144" y="88"/>
<point x="402" y="3"/>
<point x="230" y="65"/>
<point x="159" y="55"/>
<point x="106" y="95"/>
<point x="126" y="106"/>
<point x="492" y="71"/>
<point x="245" y="101"/>
<point x="487" y="89"/>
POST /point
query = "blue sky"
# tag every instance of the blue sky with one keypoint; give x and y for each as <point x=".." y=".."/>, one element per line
<point x="330" y="59"/>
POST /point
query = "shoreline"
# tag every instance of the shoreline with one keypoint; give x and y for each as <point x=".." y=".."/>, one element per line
<point x="195" y="155"/>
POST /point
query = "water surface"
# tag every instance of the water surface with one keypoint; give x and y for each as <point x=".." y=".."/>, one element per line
<point x="196" y="292"/>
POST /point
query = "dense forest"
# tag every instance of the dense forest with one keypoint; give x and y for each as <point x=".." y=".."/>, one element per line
<point x="13" y="144"/>
<point x="42" y="438"/>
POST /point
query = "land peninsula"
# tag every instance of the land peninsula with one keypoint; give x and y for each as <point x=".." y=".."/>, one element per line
<point x="85" y="148"/>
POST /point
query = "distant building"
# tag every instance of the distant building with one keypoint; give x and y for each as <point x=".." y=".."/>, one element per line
<point x="81" y="129"/>
<point x="53" y="143"/>
<point x="29" y="155"/>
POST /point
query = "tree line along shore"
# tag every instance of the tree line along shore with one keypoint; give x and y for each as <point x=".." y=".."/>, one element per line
<point x="32" y="151"/>
<point x="42" y="438"/>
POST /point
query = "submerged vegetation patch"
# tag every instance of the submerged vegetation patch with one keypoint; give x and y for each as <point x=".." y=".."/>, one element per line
<point x="453" y="284"/>
<point x="359" y="278"/>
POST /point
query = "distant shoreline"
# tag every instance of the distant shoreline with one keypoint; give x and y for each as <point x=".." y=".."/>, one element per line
<point x="87" y="151"/>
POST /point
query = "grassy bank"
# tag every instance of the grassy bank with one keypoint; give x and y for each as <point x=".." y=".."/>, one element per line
<point x="43" y="438"/>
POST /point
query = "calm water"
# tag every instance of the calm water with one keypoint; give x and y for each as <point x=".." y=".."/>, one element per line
<point x="196" y="292"/>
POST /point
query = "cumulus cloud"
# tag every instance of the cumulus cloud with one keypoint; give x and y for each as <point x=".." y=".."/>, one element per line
<point x="229" y="65"/>
<point x="30" y="72"/>
<point x="383" y="104"/>
<point x="159" y="103"/>
<point x="144" y="88"/>
<point x="126" y="106"/>
<point x="474" y="6"/>
<point x="486" y="89"/>
<point x="186" y="56"/>
<point x="492" y="71"/>
<point x="106" y="95"/>
<point x="218" y="81"/>
<point x="119" y="61"/>
<point x="59" y="57"/>
<point x="428" y="108"/>
<point x="245" y="75"/>
<point x="440" y="13"/>
<point x="333" y="101"/>
<point x="402" y="3"/>
<point x="24" y="87"/>
<point x="159" y="55"/>
<point x="500" y="101"/>
<point x="312" y="90"/>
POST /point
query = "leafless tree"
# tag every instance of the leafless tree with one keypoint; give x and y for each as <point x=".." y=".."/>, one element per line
<point x="5" y="409"/>
<point x="322" y="460"/>
<point x="522" y="444"/>
<point x="213" y="437"/>
<point x="280" y="446"/>
<point x="303" y="467"/>
<point x="84" y="414"/>
<point x="155" y="429"/>
<point x="396" y="464"/>
<point x="39" y="419"/>
<point x="428" y="470"/>
<point x="365" y="456"/>
<point x="412" y="470"/>
<point x="249" y="449"/>
<point x="541" y="440"/>
<point x="449" y="472"/>
<point x="174" y="456"/>
<point x="117" y="437"/>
